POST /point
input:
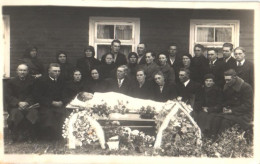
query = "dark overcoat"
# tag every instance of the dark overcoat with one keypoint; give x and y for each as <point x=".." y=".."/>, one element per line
<point x="85" y="65"/>
<point x="143" y="92"/>
<point x="169" y="92"/>
<point x="217" y="69"/>
<point x="112" y="86"/>
<point x="200" y="67"/>
<point x="246" y="72"/>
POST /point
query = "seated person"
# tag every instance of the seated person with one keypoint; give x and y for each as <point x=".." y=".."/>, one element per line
<point x="237" y="106"/>
<point x="22" y="117"/>
<point x="96" y="82"/>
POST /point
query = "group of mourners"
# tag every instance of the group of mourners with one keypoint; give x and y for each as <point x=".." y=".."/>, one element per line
<point x="220" y="90"/>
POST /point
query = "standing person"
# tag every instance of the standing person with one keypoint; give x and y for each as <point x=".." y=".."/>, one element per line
<point x="87" y="62"/>
<point x="166" y="69"/>
<point x="121" y="83"/>
<point x="30" y="58"/>
<point x="107" y="67"/>
<point x="163" y="91"/>
<point x="18" y="96"/>
<point x="237" y="105"/>
<point x="210" y="102"/>
<point x="199" y="64"/>
<point x="185" y="63"/>
<point x="96" y="83"/>
<point x="73" y="87"/>
<point x="48" y="92"/>
<point x="66" y="67"/>
<point x="230" y="62"/>
<point x="216" y="67"/>
<point x="188" y="89"/>
<point x="244" y="68"/>
<point x="174" y="57"/>
<point x="141" y="50"/>
<point x="119" y="58"/>
<point x="150" y="67"/>
<point x="141" y="87"/>
<point x="132" y="65"/>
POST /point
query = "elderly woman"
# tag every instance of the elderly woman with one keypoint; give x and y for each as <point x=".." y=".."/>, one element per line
<point x="87" y="62"/>
<point x="150" y="67"/>
<point x="66" y="68"/>
<point x="141" y="87"/>
<point x="166" y="69"/>
<point x="96" y="82"/>
<point x="30" y="58"/>
<point x="107" y="67"/>
<point x="132" y="65"/>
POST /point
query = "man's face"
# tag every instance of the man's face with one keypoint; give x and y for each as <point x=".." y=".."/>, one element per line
<point x="33" y="53"/>
<point x="159" y="79"/>
<point x="230" y="80"/>
<point x="212" y="55"/>
<point x="140" y="49"/>
<point x="140" y="76"/>
<point x="115" y="47"/>
<point x="183" y="76"/>
<point x="149" y="58"/>
<point x="162" y="59"/>
<point x="198" y="51"/>
<point x="226" y="52"/>
<point x="132" y="59"/>
<point x="77" y="76"/>
<point x="54" y="72"/>
<point x="172" y="50"/>
<point x="209" y="83"/>
<point x="120" y="73"/>
<point x="95" y="74"/>
<point x="62" y="58"/>
<point x="22" y="71"/>
<point x="239" y="55"/>
<point x="186" y="60"/>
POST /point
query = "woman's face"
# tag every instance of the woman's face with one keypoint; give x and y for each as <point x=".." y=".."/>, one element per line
<point x="109" y="59"/>
<point x="95" y="74"/>
<point x="33" y="53"/>
<point x="132" y="59"/>
<point x="162" y="59"/>
<point x="62" y="58"/>
<point x="140" y="76"/>
<point x="149" y="58"/>
<point x="88" y="53"/>
<point x="186" y="60"/>
<point x="209" y="83"/>
<point x="77" y="76"/>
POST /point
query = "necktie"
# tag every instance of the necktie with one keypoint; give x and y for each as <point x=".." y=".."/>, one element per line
<point x="119" y="83"/>
<point x="211" y="64"/>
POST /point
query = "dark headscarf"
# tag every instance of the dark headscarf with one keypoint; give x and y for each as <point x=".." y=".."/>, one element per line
<point x="91" y="48"/>
<point x="58" y="54"/>
<point x="28" y="50"/>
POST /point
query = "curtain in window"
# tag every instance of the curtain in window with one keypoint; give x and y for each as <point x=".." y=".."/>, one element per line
<point x="205" y="34"/>
<point x="105" y="31"/>
<point x="124" y="32"/>
<point x="223" y="35"/>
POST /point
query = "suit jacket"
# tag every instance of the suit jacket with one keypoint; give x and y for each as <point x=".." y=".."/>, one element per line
<point x="142" y="61"/>
<point x="231" y="64"/>
<point x="246" y="72"/>
<point x="145" y="92"/>
<point x="169" y="92"/>
<point x="120" y="59"/>
<point x="200" y="67"/>
<point x="217" y="69"/>
<point x="112" y="86"/>
<point x="168" y="72"/>
<point x="150" y="70"/>
<point x="85" y="64"/>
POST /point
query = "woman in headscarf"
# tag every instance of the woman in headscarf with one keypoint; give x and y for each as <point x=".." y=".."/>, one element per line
<point x="30" y="58"/>
<point x="107" y="67"/>
<point x="66" y="68"/>
<point x="96" y="82"/>
<point x="87" y="62"/>
<point x="132" y="65"/>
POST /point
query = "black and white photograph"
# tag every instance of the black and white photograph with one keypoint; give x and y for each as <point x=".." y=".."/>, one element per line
<point x="129" y="82"/>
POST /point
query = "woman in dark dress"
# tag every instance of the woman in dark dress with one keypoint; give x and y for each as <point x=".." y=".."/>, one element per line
<point x="66" y="68"/>
<point x="132" y="65"/>
<point x="30" y="58"/>
<point x="107" y="67"/>
<point x="87" y="62"/>
<point x="73" y="87"/>
<point x="141" y="87"/>
<point x="96" y="83"/>
<point x="210" y="102"/>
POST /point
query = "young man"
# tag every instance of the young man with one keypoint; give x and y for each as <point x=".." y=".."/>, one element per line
<point x="119" y="58"/>
<point x="141" y="50"/>
<point x="230" y="62"/>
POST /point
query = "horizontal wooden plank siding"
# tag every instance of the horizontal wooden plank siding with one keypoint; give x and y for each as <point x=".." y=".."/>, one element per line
<point x="66" y="28"/>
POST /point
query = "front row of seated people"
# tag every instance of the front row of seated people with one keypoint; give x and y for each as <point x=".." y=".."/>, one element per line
<point x="214" y="109"/>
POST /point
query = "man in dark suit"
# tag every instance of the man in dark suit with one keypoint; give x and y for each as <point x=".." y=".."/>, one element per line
<point x="19" y="100"/>
<point x="121" y="83"/>
<point x="244" y="68"/>
<point x="175" y="58"/>
<point x="187" y="89"/>
<point x="199" y="64"/>
<point x="48" y="92"/>
<point x="230" y="62"/>
<point x="216" y="67"/>
<point x="163" y="90"/>
<point x="141" y="50"/>
<point x="119" y="58"/>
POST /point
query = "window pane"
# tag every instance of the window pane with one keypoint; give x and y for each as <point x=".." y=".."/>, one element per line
<point x="205" y="34"/>
<point x="105" y="31"/>
<point x="223" y="34"/>
<point x="124" y="32"/>
<point x="103" y="49"/>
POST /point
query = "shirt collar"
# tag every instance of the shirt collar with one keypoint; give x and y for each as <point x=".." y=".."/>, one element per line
<point x="52" y="78"/>
<point x="186" y="83"/>
<point x="242" y="62"/>
<point x="227" y="59"/>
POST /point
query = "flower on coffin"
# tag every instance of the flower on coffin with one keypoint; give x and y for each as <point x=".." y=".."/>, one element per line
<point x="147" y="112"/>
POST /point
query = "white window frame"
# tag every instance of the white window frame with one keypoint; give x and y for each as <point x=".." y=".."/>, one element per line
<point x="6" y="45"/>
<point x="194" y="23"/>
<point x="94" y="21"/>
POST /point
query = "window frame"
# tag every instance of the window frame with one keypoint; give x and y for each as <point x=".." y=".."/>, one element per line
<point x="195" y="23"/>
<point x="94" y="21"/>
<point x="6" y="45"/>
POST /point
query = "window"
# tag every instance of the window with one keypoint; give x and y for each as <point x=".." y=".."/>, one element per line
<point x="213" y="33"/>
<point x="103" y="30"/>
<point x="6" y="46"/>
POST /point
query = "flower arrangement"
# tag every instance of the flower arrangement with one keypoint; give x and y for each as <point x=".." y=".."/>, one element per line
<point x="147" y="112"/>
<point x="120" y="108"/>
